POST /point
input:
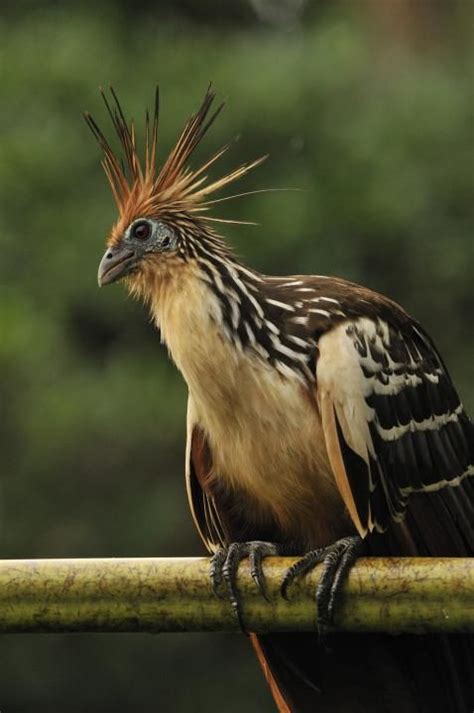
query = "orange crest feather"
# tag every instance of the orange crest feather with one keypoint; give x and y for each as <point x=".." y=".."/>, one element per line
<point x="140" y="188"/>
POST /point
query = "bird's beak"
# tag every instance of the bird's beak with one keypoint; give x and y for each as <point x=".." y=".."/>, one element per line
<point x="116" y="263"/>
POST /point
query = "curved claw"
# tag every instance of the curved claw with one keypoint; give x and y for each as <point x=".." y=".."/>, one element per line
<point x="323" y="591"/>
<point x="338" y="558"/>
<point x="229" y="571"/>
<point x="301" y="567"/>
<point x="349" y="556"/>
<point x="217" y="561"/>
<point x="257" y="551"/>
<point x="225" y="563"/>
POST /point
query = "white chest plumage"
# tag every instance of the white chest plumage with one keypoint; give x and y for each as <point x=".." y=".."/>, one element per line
<point x="264" y="429"/>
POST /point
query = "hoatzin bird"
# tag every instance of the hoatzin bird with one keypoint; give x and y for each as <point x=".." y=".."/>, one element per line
<point x="321" y="422"/>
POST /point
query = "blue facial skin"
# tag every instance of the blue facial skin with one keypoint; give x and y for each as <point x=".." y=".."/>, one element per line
<point x="142" y="237"/>
<point x="146" y="235"/>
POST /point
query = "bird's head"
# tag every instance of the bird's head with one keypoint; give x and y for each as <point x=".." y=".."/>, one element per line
<point x="162" y="210"/>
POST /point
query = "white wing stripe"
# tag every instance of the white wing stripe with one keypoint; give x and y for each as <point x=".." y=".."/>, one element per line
<point x="429" y="424"/>
<point x="355" y="366"/>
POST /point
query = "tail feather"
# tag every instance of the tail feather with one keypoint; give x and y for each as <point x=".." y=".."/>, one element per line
<point x="357" y="673"/>
<point x="290" y="665"/>
<point x="374" y="673"/>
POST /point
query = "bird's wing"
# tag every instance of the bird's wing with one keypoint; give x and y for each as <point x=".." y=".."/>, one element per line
<point x="393" y="423"/>
<point x="198" y="473"/>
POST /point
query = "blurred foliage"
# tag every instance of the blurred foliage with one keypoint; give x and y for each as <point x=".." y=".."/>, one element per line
<point x="371" y="115"/>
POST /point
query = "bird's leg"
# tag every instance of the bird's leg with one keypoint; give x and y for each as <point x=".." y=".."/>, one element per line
<point x="225" y="563"/>
<point x="337" y="559"/>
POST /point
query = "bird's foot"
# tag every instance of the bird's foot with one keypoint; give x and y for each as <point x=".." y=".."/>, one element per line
<point x="337" y="559"/>
<point x="225" y="563"/>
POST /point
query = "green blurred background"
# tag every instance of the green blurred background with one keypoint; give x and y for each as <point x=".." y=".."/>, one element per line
<point x="366" y="106"/>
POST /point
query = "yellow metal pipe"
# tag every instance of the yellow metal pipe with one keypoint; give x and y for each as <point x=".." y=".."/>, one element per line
<point x="161" y="594"/>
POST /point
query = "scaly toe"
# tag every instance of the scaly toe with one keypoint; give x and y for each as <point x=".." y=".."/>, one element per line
<point x="235" y="553"/>
<point x="323" y="591"/>
<point x="301" y="567"/>
<point x="215" y="572"/>
<point x="337" y="563"/>
<point x="353" y="550"/>
<point x="257" y="552"/>
<point x="338" y="559"/>
<point x="223" y="570"/>
<point x="225" y="564"/>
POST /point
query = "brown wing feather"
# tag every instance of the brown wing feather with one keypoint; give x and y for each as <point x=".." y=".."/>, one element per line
<point x="333" y="444"/>
<point x="198" y="470"/>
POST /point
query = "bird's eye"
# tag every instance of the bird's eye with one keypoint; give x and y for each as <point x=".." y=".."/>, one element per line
<point x="141" y="230"/>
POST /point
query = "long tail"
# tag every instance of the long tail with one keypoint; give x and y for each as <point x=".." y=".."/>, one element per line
<point x="374" y="673"/>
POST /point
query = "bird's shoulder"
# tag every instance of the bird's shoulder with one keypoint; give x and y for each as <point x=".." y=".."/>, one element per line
<point x="313" y="305"/>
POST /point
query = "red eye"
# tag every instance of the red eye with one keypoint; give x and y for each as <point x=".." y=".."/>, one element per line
<point x="141" y="230"/>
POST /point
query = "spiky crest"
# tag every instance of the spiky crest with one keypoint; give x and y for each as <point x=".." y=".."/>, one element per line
<point x="140" y="187"/>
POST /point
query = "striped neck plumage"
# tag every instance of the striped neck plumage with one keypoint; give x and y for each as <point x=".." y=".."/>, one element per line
<point x="209" y="294"/>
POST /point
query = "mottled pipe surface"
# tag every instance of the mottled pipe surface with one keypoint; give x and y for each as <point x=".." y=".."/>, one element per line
<point x="162" y="594"/>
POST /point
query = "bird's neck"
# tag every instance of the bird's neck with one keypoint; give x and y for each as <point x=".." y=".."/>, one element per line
<point x="189" y="317"/>
<point x="200" y="315"/>
<point x="218" y="323"/>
